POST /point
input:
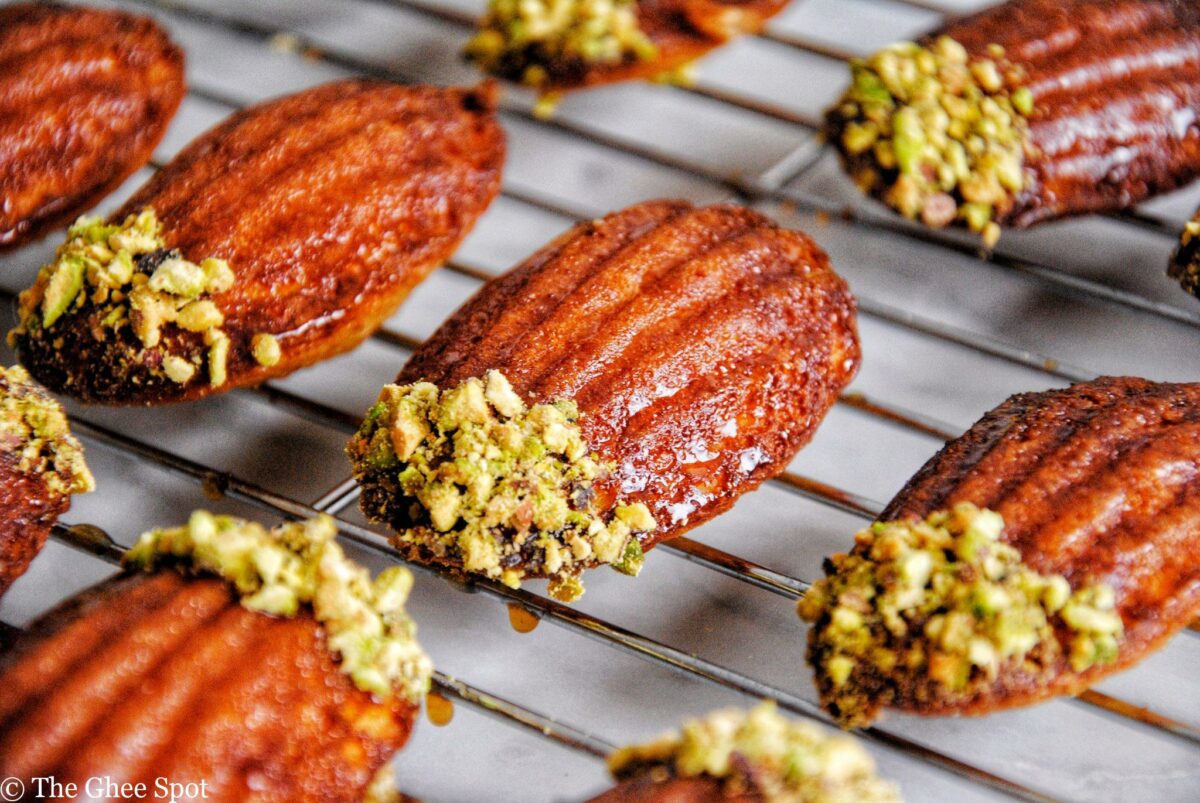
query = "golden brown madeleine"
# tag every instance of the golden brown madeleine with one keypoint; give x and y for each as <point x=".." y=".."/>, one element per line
<point x="559" y="47"/>
<point x="626" y="383"/>
<point x="85" y="96"/>
<point x="1055" y="543"/>
<point x="280" y="238"/>
<point x="1028" y="111"/>
<point x="169" y="675"/>
<point x="41" y="465"/>
<point x="758" y="756"/>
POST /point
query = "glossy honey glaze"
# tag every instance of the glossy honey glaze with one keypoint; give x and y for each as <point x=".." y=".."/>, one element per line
<point x="85" y="96"/>
<point x="703" y="346"/>
<point x="1116" y="87"/>
<point x="1099" y="482"/>
<point x="329" y="205"/>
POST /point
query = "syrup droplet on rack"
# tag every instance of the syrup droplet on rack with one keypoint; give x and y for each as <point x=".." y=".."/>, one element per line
<point x="95" y="540"/>
<point x="439" y="709"/>
<point x="89" y="534"/>
<point x="214" y="486"/>
<point x="522" y="619"/>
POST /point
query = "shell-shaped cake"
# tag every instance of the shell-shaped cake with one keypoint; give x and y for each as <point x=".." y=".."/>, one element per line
<point x="290" y="677"/>
<point x="1055" y="543"/>
<point x="1028" y="111"/>
<point x="85" y="96"/>
<point x="638" y="375"/>
<point x="41" y="466"/>
<point x="733" y="756"/>
<point x="283" y="236"/>
<point x="558" y="47"/>
<point x="1097" y="482"/>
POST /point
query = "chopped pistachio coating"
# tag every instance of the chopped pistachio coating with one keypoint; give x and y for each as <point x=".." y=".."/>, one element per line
<point x="34" y="429"/>
<point x="491" y="485"/>
<point x="124" y="276"/>
<point x="761" y="753"/>
<point x="945" y="600"/>
<point x="530" y="40"/>
<point x="300" y="563"/>
<point x="937" y="135"/>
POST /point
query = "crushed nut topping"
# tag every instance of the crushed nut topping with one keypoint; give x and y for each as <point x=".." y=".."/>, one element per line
<point x="937" y="135"/>
<point x="945" y="601"/>
<point x="761" y="753"/>
<point x="300" y="563"/>
<point x="34" y="428"/>
<point x="474" y="478"/>
<point x="125" y="277"/>
<point x="529" y="40"/>
<point x="265" y="348"/>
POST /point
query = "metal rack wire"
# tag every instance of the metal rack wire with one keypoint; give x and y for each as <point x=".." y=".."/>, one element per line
<point x="608" y="632"/>
<point x="780" y="185"/>
<point x="757" y="189"/>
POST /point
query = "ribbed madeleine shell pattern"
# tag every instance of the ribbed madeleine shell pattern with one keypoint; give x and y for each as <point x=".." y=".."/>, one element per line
<point x="85" y="96"/>
<point x="330" y="205"/>
<point x="150" y="676"/>
<point x="1116" y="85"/>
<point x="703" y="346"/>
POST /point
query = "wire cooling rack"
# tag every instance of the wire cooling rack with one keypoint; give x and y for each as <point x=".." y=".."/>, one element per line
<point x="946" y="335"/>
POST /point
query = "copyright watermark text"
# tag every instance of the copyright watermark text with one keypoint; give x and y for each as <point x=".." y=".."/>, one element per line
<point x="101" y="787"/>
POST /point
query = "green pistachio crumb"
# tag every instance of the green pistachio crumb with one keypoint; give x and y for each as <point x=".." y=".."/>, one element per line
<point x="474" y="478"/>
<point x="685" y="75"/>
<point x="200" y="316"/>
<point x="265" y="348"/>
<point x="632" y="559"/>
<point x="565" y="589"/>
<point x="63" y="288"/>
<point x="122" y="275"/>
<point x="546" y="105"/>
<point x="946" y="601"/>
<point x="178" y="277"/>
<point x="218" y="356"/>
<point x="298" y="564"/>
<point x="529" y="40"/>
<point x="1022" y="101"/>
<point x="34" y="432"/>
<point x="761" y="755"/>
<point x="218" y="275"/>
<point x="938" y="135"/>
<point x="178" y="369"/>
